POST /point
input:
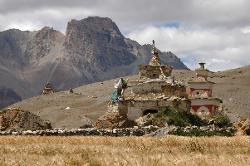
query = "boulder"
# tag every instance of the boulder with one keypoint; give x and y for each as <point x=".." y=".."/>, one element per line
<point x="167" y="130"/>
<point x="242" y="127"/>
<point x="87" y="123"/>
<point x="19" y="120"/>
<point x="113" y="120"/>
<point x="144" y="120"/>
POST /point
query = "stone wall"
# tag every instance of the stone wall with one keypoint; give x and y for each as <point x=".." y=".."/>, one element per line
<point x="159" y="86"/>
<point x="136" y="131"/>
<point x="120" y="107"/>
<point x="174" y="90"/>
<point x="148" y="87"/>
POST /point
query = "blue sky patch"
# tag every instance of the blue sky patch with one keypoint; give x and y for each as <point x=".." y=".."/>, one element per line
<point x="174" y="24"/>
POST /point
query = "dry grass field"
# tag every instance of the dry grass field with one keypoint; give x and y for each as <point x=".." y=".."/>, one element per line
<point x="170" y="150"/>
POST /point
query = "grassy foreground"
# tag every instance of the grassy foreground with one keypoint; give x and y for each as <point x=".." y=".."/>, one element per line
<point x="170" y="150"/>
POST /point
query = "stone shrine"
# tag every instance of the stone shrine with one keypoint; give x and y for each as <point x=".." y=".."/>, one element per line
<point x="48" y="89"/>
<point x="200" y="92"/>
<point x="153" y="90"/>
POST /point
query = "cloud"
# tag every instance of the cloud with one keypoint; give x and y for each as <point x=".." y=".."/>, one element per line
<point x="219" y="48"/>
<point x="132" y="14"/>
<point x="215" y="31"/>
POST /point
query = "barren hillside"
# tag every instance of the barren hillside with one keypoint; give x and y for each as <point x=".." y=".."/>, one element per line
<point x="90" y="100"/>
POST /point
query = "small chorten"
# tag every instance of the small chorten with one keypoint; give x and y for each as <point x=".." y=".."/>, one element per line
<point x="200" y="92"/>
<point x="48" y="89"/>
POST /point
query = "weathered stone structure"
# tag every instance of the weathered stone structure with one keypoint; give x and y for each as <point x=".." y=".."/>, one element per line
<point x="48" y="89"/>
<point x="155" y="89"/>
<point x="200" y="93"/>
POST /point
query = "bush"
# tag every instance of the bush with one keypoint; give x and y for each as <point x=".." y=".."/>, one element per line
<point x="174" y="116"/>
<point x="221" y="120"/>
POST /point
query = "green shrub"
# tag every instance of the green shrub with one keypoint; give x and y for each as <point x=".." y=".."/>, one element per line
<point x="221" y="120"/>
<point x="174" y="116"/>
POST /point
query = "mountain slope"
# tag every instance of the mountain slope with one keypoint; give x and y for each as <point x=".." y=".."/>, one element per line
<point x="90" y="100"/>
<point x="8" y="96"/>
<point x="93" y="49"/>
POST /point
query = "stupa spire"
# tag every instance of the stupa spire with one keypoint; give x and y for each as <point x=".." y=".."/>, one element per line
<point x="202" y="72"/>
<point x="155" y="60"/>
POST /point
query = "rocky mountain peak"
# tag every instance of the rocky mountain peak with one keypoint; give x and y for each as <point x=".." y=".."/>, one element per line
<point x="42" y="43"/>
<point x="97" y="24"/>
<point x="12" y="47"/>
<point x="46" y="28"/>
<point x="98" y="42"/>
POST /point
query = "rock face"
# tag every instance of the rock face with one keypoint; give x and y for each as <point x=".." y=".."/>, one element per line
<point x="97" y="43"/>
<point x="8" y="96"/>
<point x="19" y="120"/>
<point x="93" y="49"/>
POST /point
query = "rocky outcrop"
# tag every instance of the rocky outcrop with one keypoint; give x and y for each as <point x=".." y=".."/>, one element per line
<point x="19" y="120"/>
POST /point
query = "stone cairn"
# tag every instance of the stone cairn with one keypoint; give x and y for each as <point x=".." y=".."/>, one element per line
<point x="48" y="89"/>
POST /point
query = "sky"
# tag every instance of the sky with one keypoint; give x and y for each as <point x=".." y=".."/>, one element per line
<point x="216" y="32"/>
